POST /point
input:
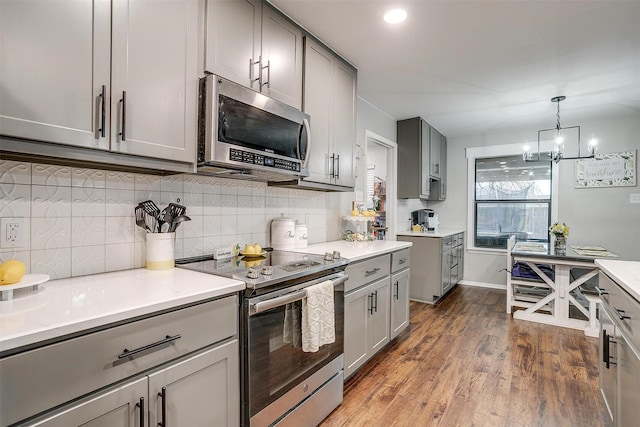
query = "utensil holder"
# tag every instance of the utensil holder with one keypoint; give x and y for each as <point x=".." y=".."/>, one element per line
<point x="160" y="251"/>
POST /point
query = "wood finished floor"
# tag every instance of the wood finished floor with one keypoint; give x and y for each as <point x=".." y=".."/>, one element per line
<point x="465" y="362"/>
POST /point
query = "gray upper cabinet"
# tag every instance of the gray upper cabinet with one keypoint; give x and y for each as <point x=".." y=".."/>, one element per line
<point x="119" y="77"/>
<point x="52" y="80"/>
<point x="422" y="152"/>
<point x="251" y="44"/>
<point x="435" y="144"/>
<point x="329" y="98"/>
<point x="413" y="137"/>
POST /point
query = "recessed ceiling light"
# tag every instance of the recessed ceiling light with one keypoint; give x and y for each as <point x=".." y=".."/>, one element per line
<point x="395" y="16"/>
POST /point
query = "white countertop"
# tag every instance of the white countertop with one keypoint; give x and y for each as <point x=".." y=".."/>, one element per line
<point x="65" y="306"/>
<point x="442" y="232"/>
<point x="356" y="251"/>
<point x="624" y="273"/>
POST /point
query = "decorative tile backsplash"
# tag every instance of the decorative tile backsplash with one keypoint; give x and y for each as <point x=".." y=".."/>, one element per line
<point x="81" y="221"/>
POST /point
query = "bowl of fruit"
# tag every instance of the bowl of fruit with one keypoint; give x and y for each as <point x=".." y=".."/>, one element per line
<point x="252" y="251"/>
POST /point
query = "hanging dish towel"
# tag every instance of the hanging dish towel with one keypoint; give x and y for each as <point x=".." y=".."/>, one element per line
<point x="318" y="317"/>
<point x="292" y="324"/>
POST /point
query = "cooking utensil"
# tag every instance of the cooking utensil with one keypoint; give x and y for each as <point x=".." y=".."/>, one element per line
<point x="150" y="208"/>
<point x="177" y="221"/>
<point x="140" y="218"/>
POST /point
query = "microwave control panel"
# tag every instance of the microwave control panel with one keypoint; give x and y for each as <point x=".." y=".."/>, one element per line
<point x="262" y="160"/>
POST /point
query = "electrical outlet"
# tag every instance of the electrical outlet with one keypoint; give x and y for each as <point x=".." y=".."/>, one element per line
<point x="12" y="233"/>
<point x="634" y="198"/>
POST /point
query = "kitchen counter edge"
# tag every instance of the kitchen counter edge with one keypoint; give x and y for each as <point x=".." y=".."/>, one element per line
<point x="356" y="251"/>
<point x="624" y="273"/>
<point x="70" y="306"/>
<point x="442" y="232"/>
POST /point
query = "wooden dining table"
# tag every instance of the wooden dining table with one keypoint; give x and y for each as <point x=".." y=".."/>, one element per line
<point x="564" y="290"/>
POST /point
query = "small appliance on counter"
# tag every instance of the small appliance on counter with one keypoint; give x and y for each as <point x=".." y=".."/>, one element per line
<point x="425" y="218"/>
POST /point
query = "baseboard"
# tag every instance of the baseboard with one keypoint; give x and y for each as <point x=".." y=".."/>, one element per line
<point x="482" y="284"/>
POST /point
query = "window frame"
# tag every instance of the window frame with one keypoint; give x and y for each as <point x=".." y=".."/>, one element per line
<point x="473" y="153"/>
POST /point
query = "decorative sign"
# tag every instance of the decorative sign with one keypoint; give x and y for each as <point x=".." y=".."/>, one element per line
<point x="607" y="170"/>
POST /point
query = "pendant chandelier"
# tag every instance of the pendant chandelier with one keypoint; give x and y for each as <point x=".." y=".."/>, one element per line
<point x="559" y="135"/>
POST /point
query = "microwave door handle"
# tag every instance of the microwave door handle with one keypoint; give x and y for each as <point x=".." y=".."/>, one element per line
<point x="305" y="128"/>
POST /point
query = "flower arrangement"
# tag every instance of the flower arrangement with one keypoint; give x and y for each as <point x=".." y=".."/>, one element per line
<point x="559" y="229"/>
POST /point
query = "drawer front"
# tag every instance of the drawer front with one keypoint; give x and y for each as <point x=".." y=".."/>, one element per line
<point x="367" y="271"/>
<point x="624" y="308"/>
<point x="459" y="239"/>
<point x="39" y="379"/>
<point x="400" y="260"/>
<point x="447" y="243"/>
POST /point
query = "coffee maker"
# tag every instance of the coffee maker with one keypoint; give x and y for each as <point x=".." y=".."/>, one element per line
<point x="426" y="218"/>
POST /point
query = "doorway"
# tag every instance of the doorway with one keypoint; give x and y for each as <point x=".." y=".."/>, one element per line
<point x="380" y="189"/>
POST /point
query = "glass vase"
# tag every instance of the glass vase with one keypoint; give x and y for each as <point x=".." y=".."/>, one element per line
<point x="559" y="244"/>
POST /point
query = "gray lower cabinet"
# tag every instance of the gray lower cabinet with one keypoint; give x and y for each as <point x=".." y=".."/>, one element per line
<point x="366" y="323"/>
<point x="366" y="311"/>
<point x="619" y="352"/>
<point x="400" y="282"/>
<point x="437" y="265"/>
<point x="200" y="390"/>
<point x="121" y="374"/>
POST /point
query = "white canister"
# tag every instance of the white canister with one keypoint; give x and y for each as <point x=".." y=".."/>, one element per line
<point x="160" y="251"/>
<point x="302" y="236"/>
<point x="283" y="233"/>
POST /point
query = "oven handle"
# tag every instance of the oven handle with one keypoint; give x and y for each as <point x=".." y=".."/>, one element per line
<point x="261" y="306"/>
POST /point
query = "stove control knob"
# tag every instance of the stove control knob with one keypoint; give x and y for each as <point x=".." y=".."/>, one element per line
<point x="252" y="273"/>
<point x="267" y="270"/>
<point x="328" y="256"/>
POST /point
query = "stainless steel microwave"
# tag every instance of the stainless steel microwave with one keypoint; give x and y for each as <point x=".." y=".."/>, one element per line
<point x="247" y="135"/>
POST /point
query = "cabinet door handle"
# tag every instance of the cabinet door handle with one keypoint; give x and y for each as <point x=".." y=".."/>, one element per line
<point x="268" y="68"/>
<point x="337" y="168"/>
<point x="606" y="351"/>
<point x="437" y="168"/>
<point x="332" y="165"/>
<point x="375" y="295"/>
<point x="126" y="353"/>
<point x="163" y="396"/>
<point x="397" y="293"/>
<point x="123" y="100"/>
<point x="620" y="314"/>
<point x="101" y="129"/>
<point x="252" y="65"/>
<point x="601" y="291"/>
<point x="371" y="272"/>
<point x="140" y="405"/>
<point x="370" y="301"/>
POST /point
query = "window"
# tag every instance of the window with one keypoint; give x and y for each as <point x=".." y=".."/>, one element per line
<point x="511" y="197"/>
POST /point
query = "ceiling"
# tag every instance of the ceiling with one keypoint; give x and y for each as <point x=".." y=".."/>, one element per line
<point x="470" y="67"/>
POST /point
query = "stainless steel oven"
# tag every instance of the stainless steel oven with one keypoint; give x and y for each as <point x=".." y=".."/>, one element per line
<point x="280" y="377"/>
<point x="281" y="384"/>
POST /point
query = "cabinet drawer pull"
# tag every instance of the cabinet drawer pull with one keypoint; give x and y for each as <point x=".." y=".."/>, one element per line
<point x="126" y="353"/>
<point x="402" y="261"/>
<point x="620" y="314"/>
<point x="371" y="272"/>
<point x="140" y="405"/>
<point x="163" y="396"/>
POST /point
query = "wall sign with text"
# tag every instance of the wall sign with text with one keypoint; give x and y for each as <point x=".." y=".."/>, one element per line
<point x="607" y="170"/>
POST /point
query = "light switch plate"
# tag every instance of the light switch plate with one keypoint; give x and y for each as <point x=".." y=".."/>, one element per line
<point x="634" y="198"/>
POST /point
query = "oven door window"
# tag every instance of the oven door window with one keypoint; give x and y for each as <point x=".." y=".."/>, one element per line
<point x="251" y="127"/>
<point x="276" y="360"/>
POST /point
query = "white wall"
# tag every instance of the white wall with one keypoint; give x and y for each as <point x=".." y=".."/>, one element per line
<point x="601" y="216"/>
